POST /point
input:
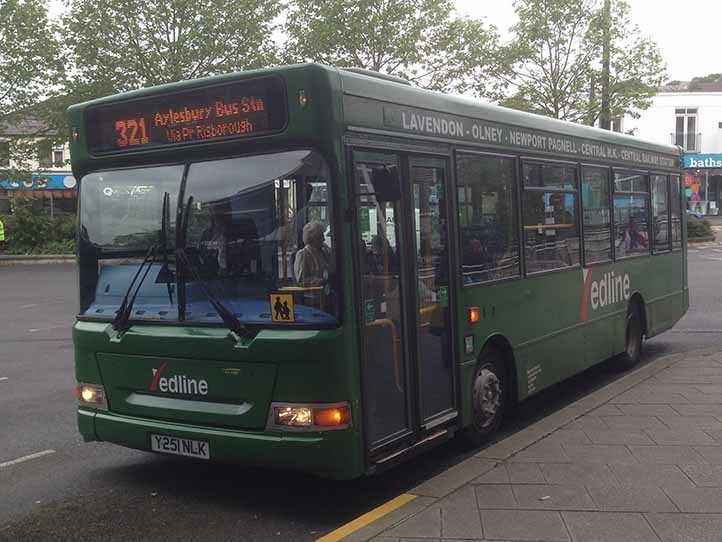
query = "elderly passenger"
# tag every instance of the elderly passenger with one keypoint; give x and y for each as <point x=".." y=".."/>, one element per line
<point x="313" y="261"/>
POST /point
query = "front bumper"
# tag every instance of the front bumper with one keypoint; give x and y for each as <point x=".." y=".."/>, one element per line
<point x="331" y="454"/>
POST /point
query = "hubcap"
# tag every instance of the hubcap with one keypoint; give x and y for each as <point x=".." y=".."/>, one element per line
<point x="487" y="397"/>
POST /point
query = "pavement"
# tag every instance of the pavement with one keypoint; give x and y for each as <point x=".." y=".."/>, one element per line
<point x="639" y="460"/>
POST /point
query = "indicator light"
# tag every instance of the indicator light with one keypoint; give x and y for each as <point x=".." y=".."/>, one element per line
<point x="75" y="134"/>
<point x="474" y="315"/>
<point x="332" y="417"/>
<point x="302" y="98"/>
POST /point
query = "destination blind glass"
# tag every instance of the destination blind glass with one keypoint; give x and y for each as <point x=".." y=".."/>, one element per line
<point x="234" y="110"/>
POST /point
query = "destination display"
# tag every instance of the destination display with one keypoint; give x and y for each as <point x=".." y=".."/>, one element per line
<point x="233" y="110"/>
<point x="428" y="123"/>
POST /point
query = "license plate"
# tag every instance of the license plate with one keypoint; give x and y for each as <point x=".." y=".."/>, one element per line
<point x="180" y="446"/>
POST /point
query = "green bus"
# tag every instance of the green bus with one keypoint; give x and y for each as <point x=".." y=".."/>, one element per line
<point x="330" y="271"/>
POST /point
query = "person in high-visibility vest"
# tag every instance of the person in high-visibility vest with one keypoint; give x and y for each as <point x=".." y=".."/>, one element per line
<point x="2" y="236"/>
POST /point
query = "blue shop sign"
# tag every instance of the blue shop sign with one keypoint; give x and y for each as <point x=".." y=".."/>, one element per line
<point x="703" y="161"/>
<point x="58" y="181"/>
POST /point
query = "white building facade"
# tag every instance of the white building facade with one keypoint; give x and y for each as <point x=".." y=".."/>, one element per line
<point x="692" y="120"/>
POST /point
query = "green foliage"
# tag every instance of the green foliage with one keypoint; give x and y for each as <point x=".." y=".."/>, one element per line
<point x="30" y="67"/>
<point x="120" y="45"/>
<point x="554" y="61"/>
<point x="698" y="227"/>
<point x="29" y="232"/>
<point x="416" y="39"/>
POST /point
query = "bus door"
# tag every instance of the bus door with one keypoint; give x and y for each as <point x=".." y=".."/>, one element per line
<point x="403" y="248"/>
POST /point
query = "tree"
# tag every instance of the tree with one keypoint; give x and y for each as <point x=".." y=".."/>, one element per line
<point x="120" y="45"/>
<point x="572" y="59"/>
<point x="636" y="68"/>
<point x="419" y="40"/>
<point x="698" y="83"/>
<point x="549" y="59"/>
<point x="29" y="67"/>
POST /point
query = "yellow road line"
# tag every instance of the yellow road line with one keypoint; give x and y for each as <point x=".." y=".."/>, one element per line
<point x="368" y="517"/>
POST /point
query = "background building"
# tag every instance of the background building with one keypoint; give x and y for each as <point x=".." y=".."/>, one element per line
<point x="689" y="115"/>
<point x="51" y="183"/>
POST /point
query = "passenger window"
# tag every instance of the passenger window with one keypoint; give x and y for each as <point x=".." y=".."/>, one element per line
<point x="551" y="226"/>
<point x="487" y="218"/>
<point x="597" y="220"/>
<point x="660" y="213"/>
<point x="631" y="228"/>
<point x="675" y="195"/>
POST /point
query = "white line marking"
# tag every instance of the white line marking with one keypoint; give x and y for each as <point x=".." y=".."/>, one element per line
<point x="713" y="259"/>
<point x="30" y="306"/>
<point x="3" y="378"/>
<point x="34" y="329"/>
<point x="26" y="458"/>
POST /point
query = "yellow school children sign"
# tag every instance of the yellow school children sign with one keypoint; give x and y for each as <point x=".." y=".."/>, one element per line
<point x="282" y="308"/>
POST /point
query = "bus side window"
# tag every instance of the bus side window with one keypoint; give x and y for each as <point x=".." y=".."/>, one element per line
<point x="487" y="210"/>
<point x="551" y="223"/>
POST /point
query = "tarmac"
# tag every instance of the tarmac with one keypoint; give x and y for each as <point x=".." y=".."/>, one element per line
<point x="639" y="460"/>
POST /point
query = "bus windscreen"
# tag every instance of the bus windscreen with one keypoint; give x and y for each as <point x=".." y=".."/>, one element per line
<point x="228" y="111"/>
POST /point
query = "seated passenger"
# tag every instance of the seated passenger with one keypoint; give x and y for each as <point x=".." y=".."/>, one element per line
<point x="313" y="262"/>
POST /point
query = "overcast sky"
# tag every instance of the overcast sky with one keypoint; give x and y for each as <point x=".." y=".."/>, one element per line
<point x="688" y="33"/>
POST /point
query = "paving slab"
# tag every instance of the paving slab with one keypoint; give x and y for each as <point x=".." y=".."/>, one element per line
<point x="599" y="453"/>
<point x="631" y="499"/>
<point x="704" y="475"/>
<point x="687" y="527"/>
<point x="652" y="475"/>
<point x="701" y="500"/>
<point x="524" y="525"/>
<point x="578" y="474"/>
<point x="608" y="527"/>
<point x="619" y="436"/>
<point x="553" y="497"/>
<point x="667" y="455"/>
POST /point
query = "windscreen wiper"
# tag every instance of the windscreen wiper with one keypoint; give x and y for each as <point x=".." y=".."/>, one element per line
<point x="232" y="323"/>
<point x="165" y="223"/>
<point x="122" y="317"/>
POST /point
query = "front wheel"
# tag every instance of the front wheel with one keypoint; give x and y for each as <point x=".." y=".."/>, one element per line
<point x="634" y="340"/>
<point x="488" y="397"/>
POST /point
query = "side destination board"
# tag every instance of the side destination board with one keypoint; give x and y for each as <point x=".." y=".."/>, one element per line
<point x="232" y="110"/>
<point x="363" y="112"/>
<point x="457" y="127"/>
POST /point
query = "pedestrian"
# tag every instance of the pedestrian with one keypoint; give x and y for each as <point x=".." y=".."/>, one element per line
<point x="2" y="236"/>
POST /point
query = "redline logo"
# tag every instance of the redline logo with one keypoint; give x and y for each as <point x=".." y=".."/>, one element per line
<point x="177" y="383"/>
<point x="608" y="290"/>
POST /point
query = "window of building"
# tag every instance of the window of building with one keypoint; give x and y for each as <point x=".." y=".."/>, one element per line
<point x="631" y="228"/>
<point x="551" y="226"/>
<point x="675" y="197"/>
<point x="685" y="130"/>
<point x="487" y="218"/>
<point x="4" y="154"/>
<point x="58" y="157"/>
<point x="45" y="154"/>
<point x="597" y="220"/>
<point x="659" y="185"/>
<point x="616" y="124"/>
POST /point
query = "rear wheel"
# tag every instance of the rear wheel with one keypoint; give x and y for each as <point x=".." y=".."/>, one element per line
<point x="488" y="397"/>
<point x="634" y="339"/>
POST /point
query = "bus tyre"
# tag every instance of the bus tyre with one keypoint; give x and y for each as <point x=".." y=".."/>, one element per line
<point x="633" y="341"/>
<point x="488" y="397"/>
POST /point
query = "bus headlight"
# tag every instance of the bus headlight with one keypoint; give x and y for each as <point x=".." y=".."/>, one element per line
<point x="91" y="395"/>
<point x="317" y="417"/>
